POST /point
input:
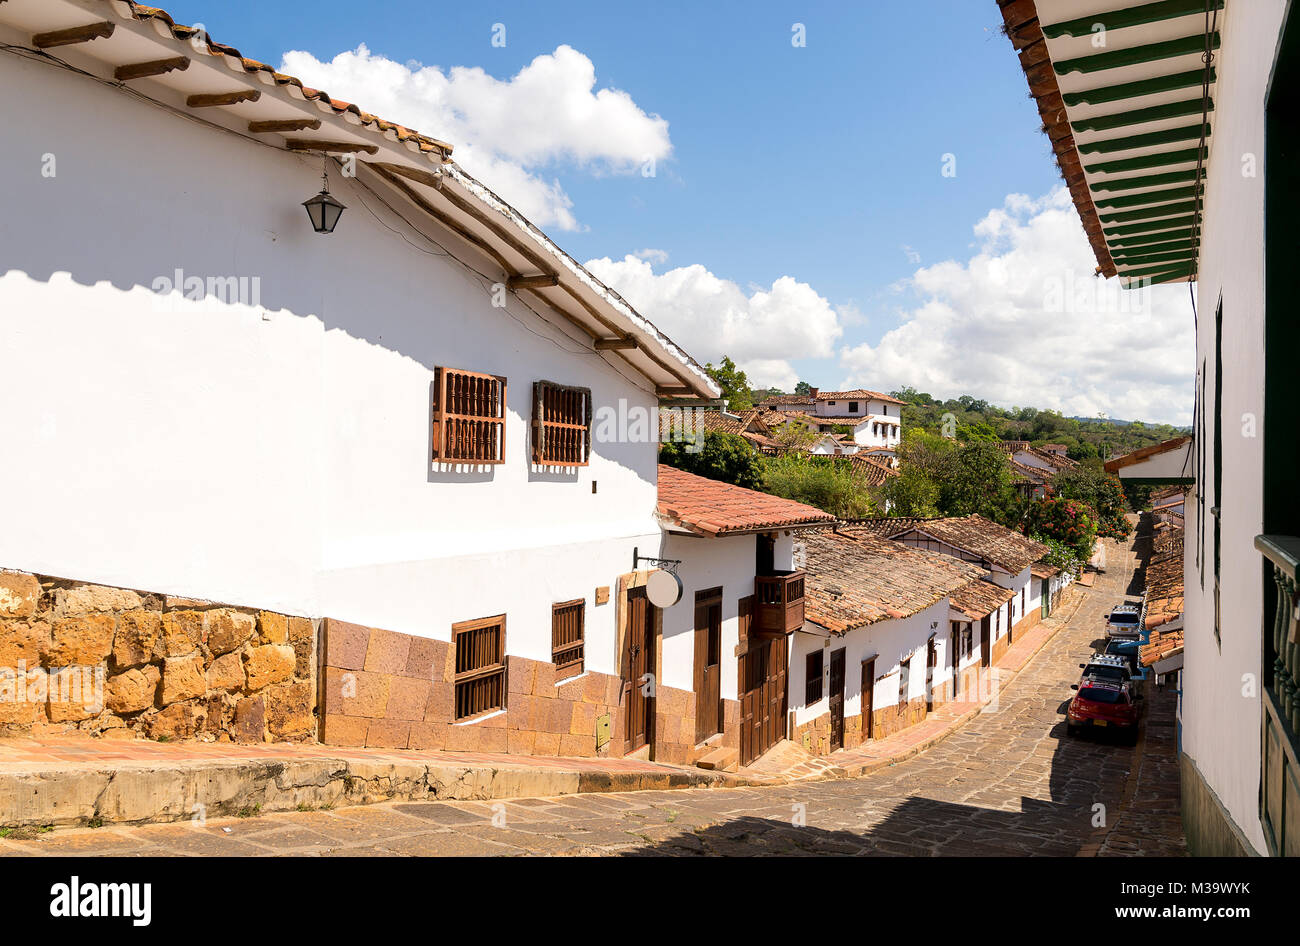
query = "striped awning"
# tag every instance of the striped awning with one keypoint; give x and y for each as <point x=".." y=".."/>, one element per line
<point x="1126" y="93"/>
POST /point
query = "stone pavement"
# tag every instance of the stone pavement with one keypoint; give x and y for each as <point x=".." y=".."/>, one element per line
<point x="1007" y="782"/>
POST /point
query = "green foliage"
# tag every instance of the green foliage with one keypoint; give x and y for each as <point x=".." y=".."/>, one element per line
<point x="1070" y="522"/>
<point x="829" y="483"/>
<point x="734" y="384"/>
<point x="1064" y="557"/>
<point x="724" y="457"/>
<point x="803" y="387"/>
<point x="911" y="493"/>
<point x="946" y="477"/>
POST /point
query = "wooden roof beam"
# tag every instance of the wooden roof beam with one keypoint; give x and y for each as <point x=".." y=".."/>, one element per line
<point x="330" y="147"/>
<point x="615" y="344"/>
<point x="285" y="124"/>
<point x="539" y="281"/>
<point x="223" y="98"/>
<point x="72" y="35"/>
<point x="156" y="67"/>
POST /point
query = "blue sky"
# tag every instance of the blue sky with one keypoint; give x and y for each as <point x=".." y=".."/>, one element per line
<point x="820" y="165"/>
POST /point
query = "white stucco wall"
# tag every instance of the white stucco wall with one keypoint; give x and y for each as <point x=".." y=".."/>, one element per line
<point x="1221" y="725"/>
<point x="888" y="642"/>
<point x="275" y="455"/>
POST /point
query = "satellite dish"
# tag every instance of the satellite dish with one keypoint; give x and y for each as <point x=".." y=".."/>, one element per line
<point x="664" y="589"/>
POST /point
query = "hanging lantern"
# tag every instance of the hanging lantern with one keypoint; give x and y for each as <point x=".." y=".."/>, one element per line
<point x="323" y="209"/>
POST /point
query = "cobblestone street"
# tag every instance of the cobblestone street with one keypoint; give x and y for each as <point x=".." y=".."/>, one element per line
<point x="1007" y="783"/>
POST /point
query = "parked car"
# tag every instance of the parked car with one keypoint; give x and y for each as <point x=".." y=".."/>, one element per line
<point x="1099" y="705"/>
<point x="1129" y="650"/>
<point x="1124" y="622"/>
<point x="1108" y="668"/>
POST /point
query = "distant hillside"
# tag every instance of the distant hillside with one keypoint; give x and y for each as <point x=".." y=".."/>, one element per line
<point x="1084" y="437"/>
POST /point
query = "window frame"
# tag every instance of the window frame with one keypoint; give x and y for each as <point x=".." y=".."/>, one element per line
<point x="545" y="432"/>
<point x="444" y="421"/>
<point x="814" y="682"/>
<point x="461" y="678"/>
<point x="572" y="666"/>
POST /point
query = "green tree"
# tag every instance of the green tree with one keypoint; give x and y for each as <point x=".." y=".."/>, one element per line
<point x="1070" y="522"/>
<point x="803" y="387"/>
<point x="1101" y="491"/>
<point x="829" y="483"/>
<point x="977" y="479"/>
<point x="911" y="493"/>
<point x="723" y="456"/>
<point x="734" y="384"/>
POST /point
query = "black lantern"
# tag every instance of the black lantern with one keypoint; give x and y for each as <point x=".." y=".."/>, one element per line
<point x="323" y="209"/>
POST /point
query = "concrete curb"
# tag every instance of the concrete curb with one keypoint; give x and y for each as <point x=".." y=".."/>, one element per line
<point x="147" y="793"/>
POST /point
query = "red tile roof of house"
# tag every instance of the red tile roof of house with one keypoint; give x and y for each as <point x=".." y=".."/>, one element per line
<point x="1164" y="581"/>
<point x="1043" y="570"/>
<point x="857" y="394"/>
<point x="994" y="543"/>
<point x="1160" y="646"/>
<point x="711" y="507"/>
<point x="873" y="472"/>
<point x="855" y="580"/>
<point x="979" y="598"/>
<point x="885" y="526"/>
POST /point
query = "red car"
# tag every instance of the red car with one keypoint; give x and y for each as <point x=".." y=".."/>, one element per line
<point x="1102" y="705"/>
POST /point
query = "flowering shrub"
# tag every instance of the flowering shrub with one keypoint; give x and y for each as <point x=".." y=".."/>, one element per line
<point x="1069" y="521"/>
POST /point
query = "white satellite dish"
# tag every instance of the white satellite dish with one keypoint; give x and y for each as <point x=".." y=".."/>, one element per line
<point x="664" y="589"/>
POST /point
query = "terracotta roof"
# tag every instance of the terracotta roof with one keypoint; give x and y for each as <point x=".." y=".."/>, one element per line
<point x="1023" y="473"/>
<point x="885" y="526"/>
<point x="779" y="400"/>
<point x="873" y="472"/>
<point x="980" y="598"/>
<point x="1043" y="570"/>
<point x="1164" y="582"/>
<point x="1168" y="503"/>
<point x="1137" y="456"/>
<point x="711" y="421"/>
<point x="857" y="394"/>
<point x="1169" y="491"/>
<point x="1161" y="645"/>
<point x="1003" y="547"/>
<point x="853" y="581"/>
<point x="711" y="507"/>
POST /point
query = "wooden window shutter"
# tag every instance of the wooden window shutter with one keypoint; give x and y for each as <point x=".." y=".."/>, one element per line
<point x="567" y="620"/>
<point x="469" y="417"/>
<point x="812" y="684"/>
<point x="561" y="424"/>
<point x="480" y="655"/>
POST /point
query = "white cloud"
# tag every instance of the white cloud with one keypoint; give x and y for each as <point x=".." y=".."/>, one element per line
<point x="712" y="317"/>
<point x="1024" y="322"/>
<point x="652" y="255"/>
<point x="504" y="130"/>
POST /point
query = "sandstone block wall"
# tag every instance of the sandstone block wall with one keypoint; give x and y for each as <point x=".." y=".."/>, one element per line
<point x="127" y="663"/>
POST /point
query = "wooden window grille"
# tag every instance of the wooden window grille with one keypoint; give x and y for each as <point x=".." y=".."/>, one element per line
<point x="812" y="683"/>
<point x="469" y="417"/>
<point x="904" y="680"/>
<point x="561" y="424"/>
<point x="567" y="619"/>
<point x="480" y="682"/>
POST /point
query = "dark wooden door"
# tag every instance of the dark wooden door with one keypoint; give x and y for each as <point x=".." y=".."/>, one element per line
<point x="837" y="699"/>
<point x="638" y="663"/>
<point x="708" y="664"/>
<point x="868" y="698"/>
<point x="956" y="662"/>
<point x="930" y="656"/>
<point x="986" y="645"/>
<point x="763" y="684"/>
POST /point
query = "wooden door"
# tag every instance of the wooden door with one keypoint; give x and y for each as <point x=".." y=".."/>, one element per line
<point x="764" y="681"/>
<point x="986" y="645"/>
<point x="708" y="663"/>
<point x="837" y="699"/>
<point x="868" y="698"/>
<point x="956" y="662"/>
<point x="638" y="664"/>
<point x="930" y="657"/>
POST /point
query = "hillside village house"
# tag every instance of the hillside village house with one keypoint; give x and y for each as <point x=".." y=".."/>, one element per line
<point x="364" y="504"/>
<point x="875" y="419"/>
<point x="887" y="637"/>
<point x="1177" y="141"/>
<point x="725" y="647"/>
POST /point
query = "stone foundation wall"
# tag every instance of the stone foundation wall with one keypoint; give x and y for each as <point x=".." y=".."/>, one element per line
<point x="124" y="663"/>
<point x="396" y="691"/>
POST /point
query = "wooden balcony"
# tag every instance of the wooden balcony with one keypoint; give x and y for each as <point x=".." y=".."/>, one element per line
<point x="1280" y="761"/>
<point x="778" y="603"/>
